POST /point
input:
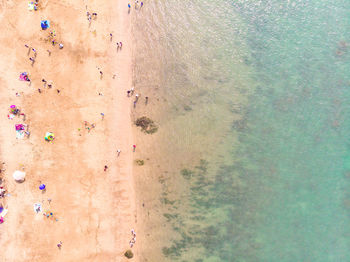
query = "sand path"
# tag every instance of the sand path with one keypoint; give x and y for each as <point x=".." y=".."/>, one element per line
<point x="95" y="210"/>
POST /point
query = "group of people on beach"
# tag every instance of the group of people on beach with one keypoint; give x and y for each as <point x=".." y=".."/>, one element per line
<point x="136" y="5"/>
<point x="133" y="239"/>
<point x="88" y="126"/>
<point x="130" y="93"/>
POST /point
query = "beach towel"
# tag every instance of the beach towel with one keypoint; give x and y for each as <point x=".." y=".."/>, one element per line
<point x="37" y="208"/>
<point x="3" y="213"/>
<point x="31" y="6"/>
<point x="20" y="134"/>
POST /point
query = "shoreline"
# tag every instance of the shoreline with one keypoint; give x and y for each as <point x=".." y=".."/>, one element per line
<point x="95" y="210"/>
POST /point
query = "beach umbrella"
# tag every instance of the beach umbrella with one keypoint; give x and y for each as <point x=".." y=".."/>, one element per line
<point x="19" y="127"/>
<point x="13" y="109"/>
<point x="19" y="175"/>
<point x="42" y="187"/>
<point x="24" y="76"/>
<point x="31" y="6"/>
<point x="45" y="24"/>
<point x="49" y="136"/>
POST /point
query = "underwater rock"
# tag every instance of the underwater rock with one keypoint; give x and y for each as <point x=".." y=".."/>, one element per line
<point x="129" y="254"/>
<point x="147" y="125"/>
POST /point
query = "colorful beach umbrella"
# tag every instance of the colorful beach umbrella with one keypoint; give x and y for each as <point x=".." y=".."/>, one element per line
<point x="45" y="24"/>
<point x="49" y="136"/>
<point x="24" y="76"/>
<point x="19" y="127"/>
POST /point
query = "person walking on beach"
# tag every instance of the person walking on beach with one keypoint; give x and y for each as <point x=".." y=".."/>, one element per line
<point x="118" y="152"/>
<point x="128" y="92"/>
<point x="146" y="100"/>
<point x="59" y="245"/>
<point x="105" y="169"/>
<point x="134" y="148"/>
<point x="103" y="115"/>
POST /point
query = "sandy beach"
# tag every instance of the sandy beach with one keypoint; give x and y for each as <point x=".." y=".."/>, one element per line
<point x="93" y="211"/>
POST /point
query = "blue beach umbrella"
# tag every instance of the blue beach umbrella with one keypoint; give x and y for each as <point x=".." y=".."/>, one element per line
<point x="42" y="187"/>
<point x="45" y="24"/>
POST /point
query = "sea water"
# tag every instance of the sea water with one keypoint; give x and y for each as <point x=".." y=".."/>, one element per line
<point x="251" y="161"/>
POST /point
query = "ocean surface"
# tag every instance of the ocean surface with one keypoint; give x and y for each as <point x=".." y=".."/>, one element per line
<point x="251" y="161"/>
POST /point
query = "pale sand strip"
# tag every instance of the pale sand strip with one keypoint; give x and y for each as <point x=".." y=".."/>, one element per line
<point x="95" y="209"/>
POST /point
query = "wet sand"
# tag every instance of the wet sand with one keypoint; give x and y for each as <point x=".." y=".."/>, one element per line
<point x="93" y="210"/>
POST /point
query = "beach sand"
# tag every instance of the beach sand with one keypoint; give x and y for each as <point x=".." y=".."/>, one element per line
<point x="93" y="210"/>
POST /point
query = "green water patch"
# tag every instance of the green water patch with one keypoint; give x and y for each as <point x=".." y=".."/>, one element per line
<point x="259" y="89"/>
<point x="204" y="221"/>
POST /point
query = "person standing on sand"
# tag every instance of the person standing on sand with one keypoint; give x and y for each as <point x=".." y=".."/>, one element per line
<point x="134" y="148"/>
<point x="118" y="152"/>
<point x="105" y="169"/>
<point x="59" y="245"/>
<point x="103" y="115"/>
<point x="146" y="101"/>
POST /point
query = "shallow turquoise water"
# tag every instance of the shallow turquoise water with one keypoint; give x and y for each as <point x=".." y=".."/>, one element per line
<point x="266" y="86"/>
